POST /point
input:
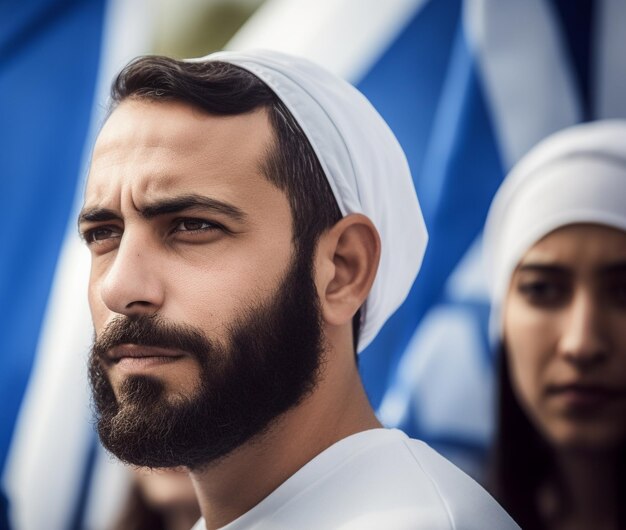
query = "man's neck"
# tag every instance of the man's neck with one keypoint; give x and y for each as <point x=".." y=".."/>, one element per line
<point x="336" y="409"/>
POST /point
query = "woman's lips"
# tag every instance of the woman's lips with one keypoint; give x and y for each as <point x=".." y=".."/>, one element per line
<point x="580" y="396"/>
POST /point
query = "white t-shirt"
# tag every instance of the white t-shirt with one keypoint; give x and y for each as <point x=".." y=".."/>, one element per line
<point x="378" y="479"/>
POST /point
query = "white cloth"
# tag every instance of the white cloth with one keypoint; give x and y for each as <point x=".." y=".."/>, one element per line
<point x="376" y="479"/>
<point x="577" y="175"/>
<point x="363" y="162"/>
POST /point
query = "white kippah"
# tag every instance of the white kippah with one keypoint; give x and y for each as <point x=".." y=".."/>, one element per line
<point x="577" y="175"/>
<point x="363" y="162"/>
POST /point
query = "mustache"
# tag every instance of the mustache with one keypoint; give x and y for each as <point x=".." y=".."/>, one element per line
<point x="151" y="330"/>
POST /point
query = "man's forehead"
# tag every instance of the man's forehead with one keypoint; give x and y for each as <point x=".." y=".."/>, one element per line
<point x="160" y="145"/>
<point x="179" y="125"/>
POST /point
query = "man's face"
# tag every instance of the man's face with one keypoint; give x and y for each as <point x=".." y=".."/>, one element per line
<point x="207" y="323"/>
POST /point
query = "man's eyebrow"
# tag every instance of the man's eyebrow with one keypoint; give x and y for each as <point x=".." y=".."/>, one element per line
<point x="185" y="202"/>
<point x="166" y="206"/>
<point x="96" y="215"/>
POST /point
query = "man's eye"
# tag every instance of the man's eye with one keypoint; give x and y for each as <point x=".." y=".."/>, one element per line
<point x="100" y="234"/>
<point x="194" y="225"/>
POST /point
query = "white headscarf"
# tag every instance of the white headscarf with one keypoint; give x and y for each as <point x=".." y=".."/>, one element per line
<point x="363" y="162"/>
<point x="577" y="175"/>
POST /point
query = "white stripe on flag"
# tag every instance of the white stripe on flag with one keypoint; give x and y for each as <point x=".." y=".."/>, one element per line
<point x="609" y="83"/>
<point x="345" y="36"/>
<point x="52" y="434"/>
<point x="526" y="73"/>
<point x="110" y="487"/>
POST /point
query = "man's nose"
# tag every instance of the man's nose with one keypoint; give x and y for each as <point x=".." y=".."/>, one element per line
<point x="132" y="285"/>
<point x="583" y="341"/>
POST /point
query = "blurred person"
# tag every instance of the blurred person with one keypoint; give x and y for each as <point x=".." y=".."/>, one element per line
<point x="555" y="243"/>
<point x="159" y="499"/>
<point x="252" y="224"/>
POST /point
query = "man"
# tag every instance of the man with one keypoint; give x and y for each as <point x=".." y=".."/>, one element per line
<point x="236" y="211"/>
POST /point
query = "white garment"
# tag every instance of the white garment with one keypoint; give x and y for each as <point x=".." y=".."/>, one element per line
<point x="376" y="479"/>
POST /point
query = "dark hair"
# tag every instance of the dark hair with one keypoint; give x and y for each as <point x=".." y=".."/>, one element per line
<point x="520" y="455"/>
<point x="522" y="459"/>
<point x="224" y="89"/>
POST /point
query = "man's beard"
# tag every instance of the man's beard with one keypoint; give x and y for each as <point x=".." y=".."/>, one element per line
<point x="270" y="363"/>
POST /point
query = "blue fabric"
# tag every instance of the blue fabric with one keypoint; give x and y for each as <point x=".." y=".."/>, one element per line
<point x="577" y="18"/>
<point x="455" y="164"/>
<point x="4" y="512"/>
<point x="49" y="53"/>
<point x="405" y="85"/>
<point x="451" y="442"/>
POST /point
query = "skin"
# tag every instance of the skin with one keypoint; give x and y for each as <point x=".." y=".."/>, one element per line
<point x="171" y="493"/>
<point x="205" y="263"/>
<point x="565" y="334"/>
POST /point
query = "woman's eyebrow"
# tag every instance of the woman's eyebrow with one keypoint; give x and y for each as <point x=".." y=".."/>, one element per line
<point x="543" y="268"/>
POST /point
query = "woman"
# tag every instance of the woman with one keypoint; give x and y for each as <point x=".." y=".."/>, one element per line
<point x="555" y="243"/>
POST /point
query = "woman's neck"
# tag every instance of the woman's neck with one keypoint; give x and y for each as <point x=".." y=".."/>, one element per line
<point x="582" y="491"/>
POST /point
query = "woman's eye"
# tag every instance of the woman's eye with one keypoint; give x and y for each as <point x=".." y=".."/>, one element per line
<point x="193" y="225"/>
<point x="543" y="293"/>
<point x="617" y="293"/>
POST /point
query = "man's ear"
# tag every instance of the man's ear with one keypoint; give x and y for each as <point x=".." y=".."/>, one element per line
<point x="346" y="263"/>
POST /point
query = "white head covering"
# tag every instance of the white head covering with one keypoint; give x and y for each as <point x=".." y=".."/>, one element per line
<point x="577" y="175"/>
<point x="363" y="162"/>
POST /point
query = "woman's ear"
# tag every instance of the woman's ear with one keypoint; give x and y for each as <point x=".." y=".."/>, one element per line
<point x="346" y="263"/>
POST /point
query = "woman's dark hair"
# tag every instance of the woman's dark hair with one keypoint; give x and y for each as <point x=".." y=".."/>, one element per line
<point x="522" y="460"/>
<point x="520" y="456"/>
<point x="224" y="89"/>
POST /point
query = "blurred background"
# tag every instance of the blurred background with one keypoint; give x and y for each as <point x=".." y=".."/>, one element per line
<point x="467" y="86"/>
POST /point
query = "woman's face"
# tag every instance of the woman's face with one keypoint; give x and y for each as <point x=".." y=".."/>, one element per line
<point x="565" y="334"/>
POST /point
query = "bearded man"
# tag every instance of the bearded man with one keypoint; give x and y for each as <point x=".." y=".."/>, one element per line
<point x="252" y="224"/>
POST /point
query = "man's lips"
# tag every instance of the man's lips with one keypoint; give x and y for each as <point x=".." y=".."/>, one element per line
<point x="136" y="354"/>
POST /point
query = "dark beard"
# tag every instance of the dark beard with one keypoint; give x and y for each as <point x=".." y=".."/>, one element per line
<point x="269" y="365"/>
